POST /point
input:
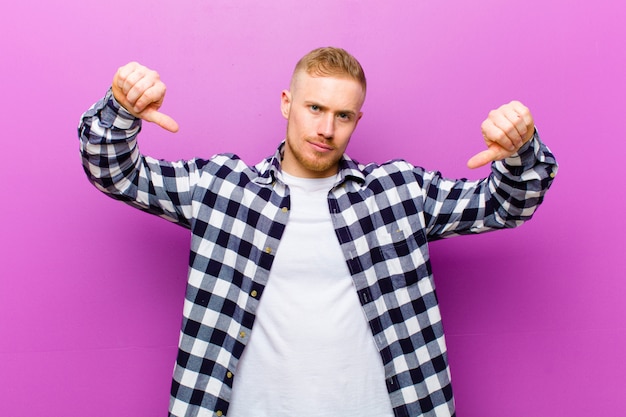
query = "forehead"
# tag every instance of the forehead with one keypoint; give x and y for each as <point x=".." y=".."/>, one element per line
<point x="336" y="91"/>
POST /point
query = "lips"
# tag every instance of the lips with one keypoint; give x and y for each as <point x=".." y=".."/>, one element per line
<point x="321" y="147"/>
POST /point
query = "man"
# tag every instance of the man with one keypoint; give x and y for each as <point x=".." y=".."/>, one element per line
<point x="310" y="290"/>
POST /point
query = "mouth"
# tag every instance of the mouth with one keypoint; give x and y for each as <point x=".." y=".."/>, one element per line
<point x="320" y="147"/>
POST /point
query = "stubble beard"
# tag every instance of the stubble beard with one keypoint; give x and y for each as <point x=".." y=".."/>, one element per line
<point x="314" y="161"/>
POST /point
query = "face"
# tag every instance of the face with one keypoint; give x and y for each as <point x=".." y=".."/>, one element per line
<point x="321" y="113"/>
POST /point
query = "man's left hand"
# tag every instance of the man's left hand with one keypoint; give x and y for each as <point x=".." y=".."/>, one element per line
<point x="505" y="131"/>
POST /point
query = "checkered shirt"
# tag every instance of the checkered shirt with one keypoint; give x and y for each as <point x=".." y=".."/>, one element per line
<point x="383" y="215"/>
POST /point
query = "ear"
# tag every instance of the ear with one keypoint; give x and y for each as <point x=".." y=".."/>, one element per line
<point x="358" y="118"/>
<point x="285" y="103"/>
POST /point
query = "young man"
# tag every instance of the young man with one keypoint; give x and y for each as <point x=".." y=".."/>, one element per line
<point x="310" y="290"/>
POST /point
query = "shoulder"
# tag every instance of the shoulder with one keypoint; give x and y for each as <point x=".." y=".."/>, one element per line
<point x="382" y="178"/>
<point x="398" y="171"/>
<point x="231" y="168"/>
<point x="223" y="162"/>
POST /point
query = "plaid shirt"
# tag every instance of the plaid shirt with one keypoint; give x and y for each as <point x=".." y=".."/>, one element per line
<point x="383" y="215"/>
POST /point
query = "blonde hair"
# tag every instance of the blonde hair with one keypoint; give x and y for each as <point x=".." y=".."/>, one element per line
<point x="331" y="61"/>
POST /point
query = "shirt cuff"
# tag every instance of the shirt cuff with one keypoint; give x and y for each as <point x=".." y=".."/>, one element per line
<point x="113" y="115"/>
<point x="526" y="155"/>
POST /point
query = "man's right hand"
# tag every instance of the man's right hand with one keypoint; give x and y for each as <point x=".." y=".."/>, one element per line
<point x="141" y="92"/>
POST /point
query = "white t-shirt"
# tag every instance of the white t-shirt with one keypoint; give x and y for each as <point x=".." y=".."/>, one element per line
<point x="311" y="352"/>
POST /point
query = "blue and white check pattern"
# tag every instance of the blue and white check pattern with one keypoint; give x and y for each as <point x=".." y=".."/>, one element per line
<point x="384" y="216"/>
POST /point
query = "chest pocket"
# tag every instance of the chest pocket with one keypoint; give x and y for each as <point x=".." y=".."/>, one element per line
<point x="404" y="255"/>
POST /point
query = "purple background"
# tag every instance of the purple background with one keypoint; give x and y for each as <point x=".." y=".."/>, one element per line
<point x="91" y="291"/>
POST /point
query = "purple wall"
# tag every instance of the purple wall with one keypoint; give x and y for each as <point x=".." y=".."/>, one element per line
<point x="91" y="290"/>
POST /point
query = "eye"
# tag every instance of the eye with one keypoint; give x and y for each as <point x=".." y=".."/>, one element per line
<point x="314" y="107"/>
<point x="344" y="116"/>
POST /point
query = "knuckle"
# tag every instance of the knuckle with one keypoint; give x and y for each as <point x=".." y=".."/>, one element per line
<point x="152" y="75"/>
<point x="500" y="136"/>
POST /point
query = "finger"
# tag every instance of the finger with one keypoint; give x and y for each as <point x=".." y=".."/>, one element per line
<point x="481" y="159"/>
<point x="501" y="128"/>
<point x="119" y="81"/>
<point x="145" y="93"/>
<point x="137" y="83"/>
<point x="123" y="72"/>
<point x="494" y="133"/>
<point x="522" y="119"/>
<point x="161" y="119"/>
<point x="128" y="76"/>
<point x="494" y="153"/>
<point x="508" y="127"/>
<point x="518" y="130"/>
<point x="525" y="118"/>
<point x="518" y="117"/>
<point x="135" y="91"/>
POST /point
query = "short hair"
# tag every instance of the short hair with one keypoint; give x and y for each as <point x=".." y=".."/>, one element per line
<point x="332" y="61"/>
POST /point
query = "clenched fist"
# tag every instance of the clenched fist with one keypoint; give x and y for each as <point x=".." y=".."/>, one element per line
<point x="141" y="92"/>
<point x="505" y="131"/>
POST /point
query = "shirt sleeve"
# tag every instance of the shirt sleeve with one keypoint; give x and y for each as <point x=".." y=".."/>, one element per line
<point x="507" y="198"/>
<point x="113" y="163"/>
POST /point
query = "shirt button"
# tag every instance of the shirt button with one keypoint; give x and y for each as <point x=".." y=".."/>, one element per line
<point x="285" y="209"/>
<point x="254" y="293"/>
<point x="242" y="334"/>
<point x="229" y="375"/>
<point x="219" y="413"/>
<point x="268" y="250"/>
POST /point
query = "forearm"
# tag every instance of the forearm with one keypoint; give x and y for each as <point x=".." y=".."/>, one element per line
<point x="113" y="163"/>
<point x="505" y="199"/>
<point x="518" y="184"/>
<point x="108" y="146"/>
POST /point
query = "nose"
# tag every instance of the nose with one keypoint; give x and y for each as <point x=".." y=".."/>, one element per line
<point x="326" y="126"/>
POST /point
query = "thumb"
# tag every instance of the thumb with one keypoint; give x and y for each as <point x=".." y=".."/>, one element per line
<point x="161" y="119"/>
<point x="483" y="158"/>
